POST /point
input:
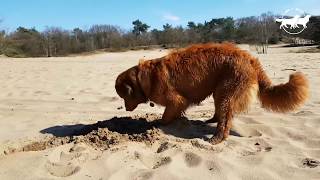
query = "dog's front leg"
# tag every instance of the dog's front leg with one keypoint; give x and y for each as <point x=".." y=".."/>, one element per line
<point x="170" y="114"/>
<point x="174" y="109"/>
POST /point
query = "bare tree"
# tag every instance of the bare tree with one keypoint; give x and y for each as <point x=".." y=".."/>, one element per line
<point x="57" y="41"/>
<point x="106" y="36"/>
<point x="266" y="20"/>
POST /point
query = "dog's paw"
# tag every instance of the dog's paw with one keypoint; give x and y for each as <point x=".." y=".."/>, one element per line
<point x="215" y="140"/>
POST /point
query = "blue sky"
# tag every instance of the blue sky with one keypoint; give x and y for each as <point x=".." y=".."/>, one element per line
<point x="84" y="13"/>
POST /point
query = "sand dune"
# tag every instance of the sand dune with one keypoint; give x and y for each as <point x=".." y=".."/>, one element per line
<point x="61" y="118"/>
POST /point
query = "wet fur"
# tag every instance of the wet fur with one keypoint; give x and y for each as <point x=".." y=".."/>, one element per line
<point x="188" y="76"/>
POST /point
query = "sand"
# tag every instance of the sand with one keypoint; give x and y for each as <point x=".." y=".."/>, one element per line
<point x="60" y="118"/>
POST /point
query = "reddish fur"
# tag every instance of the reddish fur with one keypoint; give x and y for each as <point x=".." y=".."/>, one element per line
<point x="188" y="76"/>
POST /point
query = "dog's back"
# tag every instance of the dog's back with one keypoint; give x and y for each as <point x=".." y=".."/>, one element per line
<point x="196" y="71"/>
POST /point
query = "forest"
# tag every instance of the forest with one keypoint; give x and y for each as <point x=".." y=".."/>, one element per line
<point x="55" y="41"/>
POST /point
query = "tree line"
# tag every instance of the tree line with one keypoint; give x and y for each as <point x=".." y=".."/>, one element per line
<point x="53" y="41"/>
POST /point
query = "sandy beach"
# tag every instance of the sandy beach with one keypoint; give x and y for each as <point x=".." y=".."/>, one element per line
<point x="61" y="118"/>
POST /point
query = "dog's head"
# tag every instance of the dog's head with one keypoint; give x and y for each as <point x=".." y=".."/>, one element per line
<point x="129" y="88"/>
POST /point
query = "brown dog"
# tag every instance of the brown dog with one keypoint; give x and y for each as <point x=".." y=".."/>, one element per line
<point x="188" y="76"/>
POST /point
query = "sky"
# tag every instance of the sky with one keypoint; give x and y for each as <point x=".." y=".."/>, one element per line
<point x="69" y="14"/>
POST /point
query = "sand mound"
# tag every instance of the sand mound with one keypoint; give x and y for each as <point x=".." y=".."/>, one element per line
<point x="104" y="134"/>
<point x="140" y="128"/>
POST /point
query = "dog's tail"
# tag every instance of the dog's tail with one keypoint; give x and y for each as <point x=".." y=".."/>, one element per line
<point x="283" y="97"/>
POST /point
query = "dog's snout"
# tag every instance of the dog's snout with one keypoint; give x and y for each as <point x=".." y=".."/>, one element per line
<point x="130" y="106"/>
<point x="129" y="109"/>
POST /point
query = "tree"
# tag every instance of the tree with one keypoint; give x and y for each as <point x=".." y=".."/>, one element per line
<point x="312" y="32"/>
<point x="167" y="34"/>
<point x="315" y="29"/>
<point x="105" y="36"/>
<point x="267" y="28"/>
<point x="24" y="42"/>
<point x="78" y="40"/>
<point x="156" y="35"/>
<point x="228" y="28"/>
<point x="139" y="27"/>
<point x="218" y="29"/>
<point x="2" y="35"/>
<point x="57" y="41"/>
<point x="259" y="30"/>
<point x="246" y="30"/>
<point x="193" y="33"/>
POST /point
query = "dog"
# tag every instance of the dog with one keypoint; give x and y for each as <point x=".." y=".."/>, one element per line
<point x="187" y="76"/>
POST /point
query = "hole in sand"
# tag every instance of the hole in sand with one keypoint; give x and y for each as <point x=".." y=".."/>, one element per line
<point x="104" y="134"/>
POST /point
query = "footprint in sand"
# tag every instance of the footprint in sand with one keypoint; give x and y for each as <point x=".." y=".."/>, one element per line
<point x="191" y="159"/>
<point x="303" y="113"/>
<point x="201" y="144"/>
<point x="249" y="120"/>
<point x="247" y="131"/>
<point x="61" y="169"/>
<point x="213" y="166"/>
<point x="143" y="175"/>
<point x="64" y="162"/>
<point x="41" y="93"/>
<point x="152" y="161"/>
<point x="167" y="146"/>
<point x="310" y="163"/>
<point x="162" y="161"/>
<point x="163" y="147"/>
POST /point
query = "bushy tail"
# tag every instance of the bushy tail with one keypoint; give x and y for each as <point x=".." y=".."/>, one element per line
<point x="283" y="97"/>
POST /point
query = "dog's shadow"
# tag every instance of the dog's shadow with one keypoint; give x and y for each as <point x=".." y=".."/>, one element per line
<point x="182" y="128"/>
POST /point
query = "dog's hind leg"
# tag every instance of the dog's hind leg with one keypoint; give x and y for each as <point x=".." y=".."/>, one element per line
<point x="231" y="98"/>
<point x="223" y="115"/>
<point x="223" y="101"/>
<point x="226" y="100"/>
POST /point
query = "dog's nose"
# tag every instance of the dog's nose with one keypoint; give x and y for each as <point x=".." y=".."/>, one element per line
<point x="129" y="109"/>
